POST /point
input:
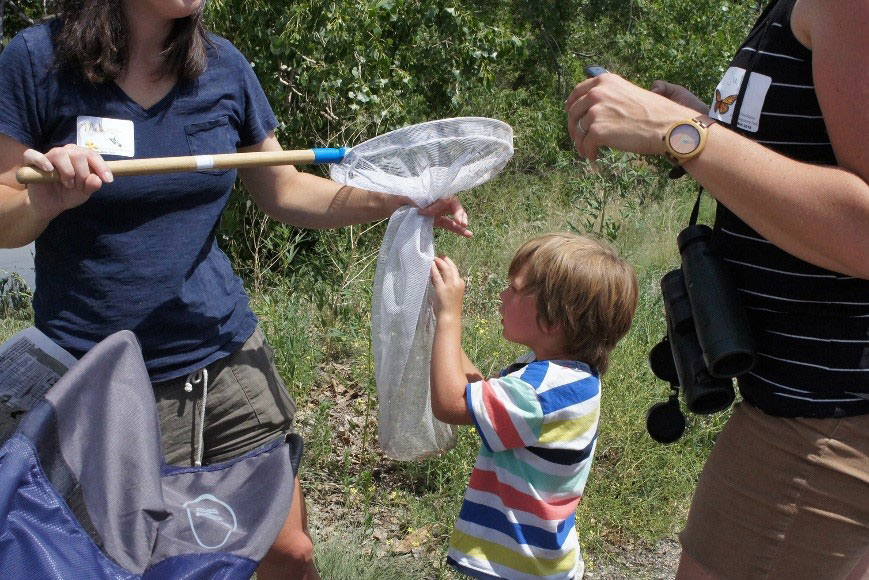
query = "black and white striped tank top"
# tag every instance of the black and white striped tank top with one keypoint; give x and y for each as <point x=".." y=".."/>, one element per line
<point x="811" y="325"/>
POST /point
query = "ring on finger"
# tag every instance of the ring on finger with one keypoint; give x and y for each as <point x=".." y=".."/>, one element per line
<point x="580" y="127"/>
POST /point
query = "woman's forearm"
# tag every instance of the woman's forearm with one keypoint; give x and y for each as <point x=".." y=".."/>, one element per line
<point x="309" y="201"/>
<point x="817" y="213"/>
<point x="19" y="224"/>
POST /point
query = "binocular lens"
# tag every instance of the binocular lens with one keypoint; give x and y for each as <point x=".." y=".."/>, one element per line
<point x="710" y="398"/>
<point x="732" y="363"/>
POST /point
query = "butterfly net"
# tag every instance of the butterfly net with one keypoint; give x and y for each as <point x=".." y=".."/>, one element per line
<point x="425" y="162"/>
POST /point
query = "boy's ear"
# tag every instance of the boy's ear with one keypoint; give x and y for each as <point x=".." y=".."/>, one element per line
<point x="549" y="329"/>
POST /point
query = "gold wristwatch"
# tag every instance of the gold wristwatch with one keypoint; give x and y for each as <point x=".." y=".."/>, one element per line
<point x="685" y="140"/>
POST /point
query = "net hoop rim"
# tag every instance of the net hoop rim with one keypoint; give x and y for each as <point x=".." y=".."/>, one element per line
<point x="384" y="136"/>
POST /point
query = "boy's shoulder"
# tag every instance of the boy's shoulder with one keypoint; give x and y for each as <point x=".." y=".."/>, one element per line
<point x="544" y="375"/>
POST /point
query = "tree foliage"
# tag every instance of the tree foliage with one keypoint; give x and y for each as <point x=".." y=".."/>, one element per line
<point x="689" y="43"/>
<point x="338" y="73"/>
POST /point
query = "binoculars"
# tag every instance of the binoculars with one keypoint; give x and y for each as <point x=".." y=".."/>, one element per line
<point x="708" y="341"/>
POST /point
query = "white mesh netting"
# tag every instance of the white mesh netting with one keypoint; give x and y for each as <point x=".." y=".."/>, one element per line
<point x="425" y="162"/>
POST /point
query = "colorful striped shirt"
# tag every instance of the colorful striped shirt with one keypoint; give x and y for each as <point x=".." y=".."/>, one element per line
<point x="539" y="427"/>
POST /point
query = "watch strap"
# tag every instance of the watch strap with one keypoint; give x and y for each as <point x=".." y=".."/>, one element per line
<point x="704" y="120"/>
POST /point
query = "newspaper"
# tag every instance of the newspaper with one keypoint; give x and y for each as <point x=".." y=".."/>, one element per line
<point x="30" y="364"/>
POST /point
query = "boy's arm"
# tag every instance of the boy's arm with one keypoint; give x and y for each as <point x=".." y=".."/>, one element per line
<point x="448" y="360"/>
<point x="472" y="373"/>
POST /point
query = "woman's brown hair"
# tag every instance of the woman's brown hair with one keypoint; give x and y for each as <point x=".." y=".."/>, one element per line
<point x="94" y="40"/>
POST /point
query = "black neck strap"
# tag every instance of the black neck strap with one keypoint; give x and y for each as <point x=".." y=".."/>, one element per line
<point x="696" y="211"/>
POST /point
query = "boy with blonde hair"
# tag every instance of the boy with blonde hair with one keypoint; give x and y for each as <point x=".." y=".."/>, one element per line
<point x="570" y="300"/>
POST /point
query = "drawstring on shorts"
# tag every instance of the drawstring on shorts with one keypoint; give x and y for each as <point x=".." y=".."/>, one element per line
<point x="194" y="378"/>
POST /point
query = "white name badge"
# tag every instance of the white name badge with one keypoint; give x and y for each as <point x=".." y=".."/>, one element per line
<point x="726" y="94"/>
<point x="106" y="136"/>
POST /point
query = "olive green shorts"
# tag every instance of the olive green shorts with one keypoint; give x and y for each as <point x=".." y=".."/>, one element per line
<point x="246" y="405"/>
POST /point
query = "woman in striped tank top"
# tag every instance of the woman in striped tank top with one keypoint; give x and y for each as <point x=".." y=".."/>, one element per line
<point x="785" y="492"/>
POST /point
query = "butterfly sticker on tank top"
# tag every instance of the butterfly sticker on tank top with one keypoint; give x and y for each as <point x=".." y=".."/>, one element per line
<point x="722" y="105"/>
<point x="748" y="97"/>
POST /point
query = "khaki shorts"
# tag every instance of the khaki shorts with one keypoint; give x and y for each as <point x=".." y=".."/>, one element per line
<point x="782" y="498"/>
<point x="247" y="405"/>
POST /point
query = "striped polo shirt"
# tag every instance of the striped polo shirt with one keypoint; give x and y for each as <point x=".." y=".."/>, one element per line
<point x="811" y="325"/>
<point x="539" y="426"/>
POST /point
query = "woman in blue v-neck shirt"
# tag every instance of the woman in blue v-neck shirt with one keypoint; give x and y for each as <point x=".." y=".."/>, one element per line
<point x="136" y="79"/>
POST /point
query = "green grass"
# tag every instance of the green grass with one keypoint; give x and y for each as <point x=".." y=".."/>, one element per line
<point x="318" y="323"/>
<point x="15" y="312"/>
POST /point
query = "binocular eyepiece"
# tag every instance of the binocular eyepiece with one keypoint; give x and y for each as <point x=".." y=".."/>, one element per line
<point x="708" y="340"/>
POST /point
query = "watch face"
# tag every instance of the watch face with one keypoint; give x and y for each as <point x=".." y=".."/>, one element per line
<point x="684" y="139"/>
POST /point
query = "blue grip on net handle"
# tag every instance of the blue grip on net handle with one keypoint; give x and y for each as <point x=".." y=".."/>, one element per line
<point x="329" y="154"/>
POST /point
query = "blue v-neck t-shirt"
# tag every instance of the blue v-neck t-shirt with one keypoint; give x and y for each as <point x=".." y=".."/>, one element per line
<point x="142" y="253"/>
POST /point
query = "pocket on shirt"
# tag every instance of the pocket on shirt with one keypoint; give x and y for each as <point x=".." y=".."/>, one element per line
<point x="212" y="137"/>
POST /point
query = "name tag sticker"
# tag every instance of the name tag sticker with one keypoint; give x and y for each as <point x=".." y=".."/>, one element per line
<point x="106" y="136"/>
